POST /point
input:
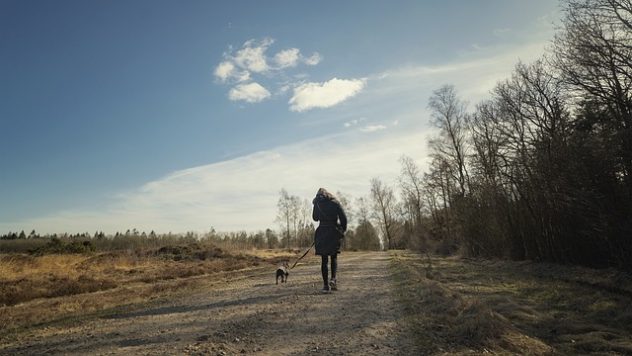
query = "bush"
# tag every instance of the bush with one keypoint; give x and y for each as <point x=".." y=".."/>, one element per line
<point x="56" y="245"/>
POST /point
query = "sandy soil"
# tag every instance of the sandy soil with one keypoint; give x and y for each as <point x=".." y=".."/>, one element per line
<point x="248" y="315"/>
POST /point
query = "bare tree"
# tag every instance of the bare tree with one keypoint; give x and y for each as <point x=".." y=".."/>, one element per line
<point x="440" y="187"/>
<point x="411" y="184"/>
<point x="449" y="115"/>
<point x="345" y="202"/>
<point x="305" y="231"/>
<point x="384" y="204"/>
<point x="365" y="237"/>
<point x="295" y="216"/>
<point x="363" y="208"/>
<point x="285" y="216"/>
<point x="594" y="55"/>
<point x="410" y="181"/>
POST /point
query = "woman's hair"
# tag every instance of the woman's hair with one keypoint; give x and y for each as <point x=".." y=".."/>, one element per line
<point x="325" y="193"/>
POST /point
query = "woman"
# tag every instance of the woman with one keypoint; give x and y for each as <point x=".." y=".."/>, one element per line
<point x="328" y="211"/>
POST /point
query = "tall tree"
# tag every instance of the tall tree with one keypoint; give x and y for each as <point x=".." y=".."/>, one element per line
<point x="365" y="237"/>
<point x="285" y="216"/>
<point x="448" y="114"/>
<point x="384" y="204"/>
<point x="594" y="55"/>
<point x="411" y="184"/>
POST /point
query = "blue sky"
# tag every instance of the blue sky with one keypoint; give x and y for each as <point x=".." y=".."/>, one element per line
<point x="178" y="116"/>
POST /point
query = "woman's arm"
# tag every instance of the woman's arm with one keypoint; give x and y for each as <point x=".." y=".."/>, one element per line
<point x="315" y="214"/>
<point x="342" y="217"/>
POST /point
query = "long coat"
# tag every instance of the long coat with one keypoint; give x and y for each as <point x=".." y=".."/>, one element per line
<point x="327" y="237"/>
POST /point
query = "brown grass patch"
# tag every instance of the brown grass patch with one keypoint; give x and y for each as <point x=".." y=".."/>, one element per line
<point x="463" y="306"/>
<point x="39" y="289"/>
<point x="21" y="290"/>
<point x="444" y="320"/>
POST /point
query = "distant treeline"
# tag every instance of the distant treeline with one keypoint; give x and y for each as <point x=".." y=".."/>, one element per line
<point x="130" y="239"/>
<point x="366" y="238"/>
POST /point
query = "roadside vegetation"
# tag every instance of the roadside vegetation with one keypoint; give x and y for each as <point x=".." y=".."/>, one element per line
<point x="40" y="287"/>
<point x="460" y="306"/>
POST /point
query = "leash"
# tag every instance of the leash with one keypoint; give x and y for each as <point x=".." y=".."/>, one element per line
<point x="305" y="254"/>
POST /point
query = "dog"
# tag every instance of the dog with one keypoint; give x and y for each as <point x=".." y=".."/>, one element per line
<point x="282" y="272"/>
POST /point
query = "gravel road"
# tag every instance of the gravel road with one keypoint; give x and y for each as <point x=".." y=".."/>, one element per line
<point x="249" y="315"/>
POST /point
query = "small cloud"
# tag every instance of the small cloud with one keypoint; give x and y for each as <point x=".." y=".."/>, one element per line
<point x="227" y="71"/>
<point x="354" y="122"/>
<point x="313" y="60"/>
<point x="501" y="32"/>
<point x="242" y="76"/>
<point x="372" y="128"/>
<point x="250" y="93"/>
<point x="287" y="58"/>
<point x="252" y="62"/>
<point x="351" y="123"/>
<point x="283" y="89"/>
<point x="300" y="76"/>
<point x="224" y="70"/>
<point x="323" y="95"/>
<point x="396" y="122"/>
<point x="252" y="55"/>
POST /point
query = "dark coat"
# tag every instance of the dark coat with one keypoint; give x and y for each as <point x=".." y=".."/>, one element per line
<point x="329" y="213"/>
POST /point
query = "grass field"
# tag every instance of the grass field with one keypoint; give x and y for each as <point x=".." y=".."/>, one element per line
<point x="38" y="289"/>
<point x="459" y="306"/>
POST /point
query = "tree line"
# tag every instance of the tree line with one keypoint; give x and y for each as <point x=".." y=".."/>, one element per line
<point x="542" y="169"/>
<point x="134" y="239"/>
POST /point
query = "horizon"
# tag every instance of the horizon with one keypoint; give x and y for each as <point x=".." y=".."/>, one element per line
<point x="182" y="117"/>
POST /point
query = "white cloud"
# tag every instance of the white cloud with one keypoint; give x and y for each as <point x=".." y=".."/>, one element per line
<point x="284" y="88"/>
<point x="501" y="32"/>
<point x="252" y="55"/>
<point x="351" y="123"/>
<point x="241" y="194"/>
<point x="354" y="122"/>
<point x="473" y="77"/>
<point x="252" y="60"/>
<point x="224" y="70"/>
<point x="323" y="95"/>
<point x="251" y="93"/>
<point x="313" y="60"/>
<point x="242" y="76"/>
<point x="287" y="58"/>
<point x="372" y="128"/>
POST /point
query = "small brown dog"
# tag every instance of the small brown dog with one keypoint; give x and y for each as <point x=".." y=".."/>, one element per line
<point x="282" y="272"/>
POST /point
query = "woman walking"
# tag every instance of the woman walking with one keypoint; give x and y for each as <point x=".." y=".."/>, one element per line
<point x="333" y="224"/>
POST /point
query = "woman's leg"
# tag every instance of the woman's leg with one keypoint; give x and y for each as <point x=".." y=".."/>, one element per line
<point x="334" y="266"/>
<point x="323" y="269"/>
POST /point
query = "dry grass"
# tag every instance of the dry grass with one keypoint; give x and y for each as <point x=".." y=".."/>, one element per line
<point x="462" y="306"/>
<point x="40" y="289"/>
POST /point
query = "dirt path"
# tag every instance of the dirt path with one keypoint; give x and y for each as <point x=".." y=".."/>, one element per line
<point x="251" y="315"/>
